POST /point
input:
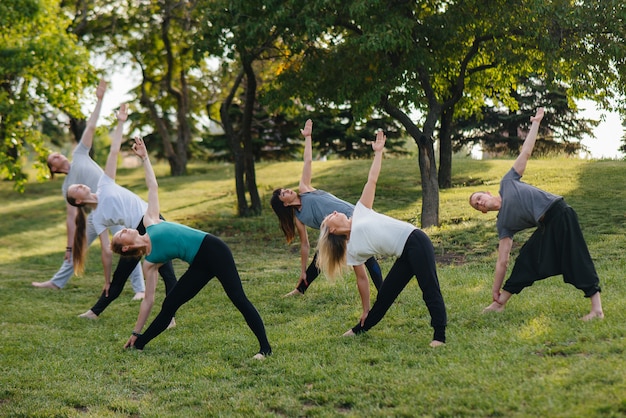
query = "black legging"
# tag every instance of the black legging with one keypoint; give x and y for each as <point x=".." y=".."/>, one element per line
<point x="417" y="259"/>
<point x="214" y="259"/>
<point x="313" y="271"/>
<point x="120" y="276"/>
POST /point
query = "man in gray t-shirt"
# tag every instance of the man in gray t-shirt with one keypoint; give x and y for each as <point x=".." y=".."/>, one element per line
<point x="82" y="170"/>
<point x="556" y="247"/>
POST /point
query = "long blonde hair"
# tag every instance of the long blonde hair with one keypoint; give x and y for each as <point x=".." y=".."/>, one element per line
<point x="331" y="248"/>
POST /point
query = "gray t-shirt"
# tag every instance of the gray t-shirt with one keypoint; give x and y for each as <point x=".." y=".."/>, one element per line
<point x="318" y="204"/>
<point x="83" y="170"/>
<point x="522" y="206"/>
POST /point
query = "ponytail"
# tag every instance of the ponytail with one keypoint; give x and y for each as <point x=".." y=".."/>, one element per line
<point x="79" y="250"/>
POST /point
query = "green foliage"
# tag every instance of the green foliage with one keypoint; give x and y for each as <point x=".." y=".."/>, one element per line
<point x="535" y="359"/>
<point x="41" y="68"/>
<point x="498" y="129"/>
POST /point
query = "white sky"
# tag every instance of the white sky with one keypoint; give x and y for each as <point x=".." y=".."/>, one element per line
<point x="608" y="133"/>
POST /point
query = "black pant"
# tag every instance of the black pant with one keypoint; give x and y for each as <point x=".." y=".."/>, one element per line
<point x="556" y="247"/>
<point x="214" y="259"/>
<point x="313" y="271"/>
<point x="417" y="259"/>
<point x="125" y="266"/>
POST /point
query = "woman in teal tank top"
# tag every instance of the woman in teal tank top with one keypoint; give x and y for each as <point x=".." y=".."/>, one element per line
<point x="207" y="255"/>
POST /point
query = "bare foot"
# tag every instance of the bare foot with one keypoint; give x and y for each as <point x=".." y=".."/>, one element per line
<point x="294" y="292"/>
<point x="139" y="296"/>
<point x="593" y="315"/>
<point x="172" y="324"/>
<point x="435" y="343"/>
<point x="46" y="285"/>
<point x="89" y="315"/>
<point x="494" y="307"/>
<point x="349" y="333"/>
<point x="259" y="356"/>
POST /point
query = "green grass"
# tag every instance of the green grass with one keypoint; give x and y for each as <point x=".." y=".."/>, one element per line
<point x="535" y="359"/>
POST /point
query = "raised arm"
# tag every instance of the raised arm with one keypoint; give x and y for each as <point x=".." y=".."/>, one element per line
<point x="110" y="169"/>
<point x="369" y="191"/>
<point x="307" y="171"/>
<point x="90" y="129"/>
<point x="152" y="213"/>
<point x="529" y="143"/>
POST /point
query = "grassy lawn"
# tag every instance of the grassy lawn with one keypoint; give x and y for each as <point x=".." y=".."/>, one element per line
<point x="535" y="359"/>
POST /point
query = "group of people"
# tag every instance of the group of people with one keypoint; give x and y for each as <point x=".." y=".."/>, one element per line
<point x="350" y="235"/>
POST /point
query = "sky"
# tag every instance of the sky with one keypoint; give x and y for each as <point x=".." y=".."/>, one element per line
<point x="608" y="133"/>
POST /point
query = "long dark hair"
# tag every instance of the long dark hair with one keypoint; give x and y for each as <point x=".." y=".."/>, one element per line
<point x="285" y="216"/>
<point x="79" y="250"/>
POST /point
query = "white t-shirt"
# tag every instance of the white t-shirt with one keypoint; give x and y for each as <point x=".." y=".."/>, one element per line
<point x="83" y="170"/>
<point x="116" y="206"/>
<point x="375" y="234"/>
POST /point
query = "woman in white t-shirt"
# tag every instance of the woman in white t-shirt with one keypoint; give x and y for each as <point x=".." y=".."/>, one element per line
<point x="368" y="233"/>
<point x="110" y="205"/>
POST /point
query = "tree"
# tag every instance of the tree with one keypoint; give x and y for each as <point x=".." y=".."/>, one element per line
<point x="157" y="38"/>
<point x="622" y="148"/>
<point x="42" y="69"/>
<point x="497" y="129"/>
<point x="246" y="35"/>
<point x="437" y="56"/>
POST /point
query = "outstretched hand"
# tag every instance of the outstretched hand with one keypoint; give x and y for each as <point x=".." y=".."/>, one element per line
<point x="131" y="342"/>
<point x="102" y="87"/>
<point x="538" y="116"/>
<point x="379" y="144"/>
<point x="122" y="114"/>
<point x="308" y="128"/>
<point x="139" y="148"/>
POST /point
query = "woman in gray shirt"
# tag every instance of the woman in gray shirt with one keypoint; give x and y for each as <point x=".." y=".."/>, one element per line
<point x="309" y="207"/>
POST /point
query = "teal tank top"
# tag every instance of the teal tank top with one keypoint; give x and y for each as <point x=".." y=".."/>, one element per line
<point x="171" y="240"/>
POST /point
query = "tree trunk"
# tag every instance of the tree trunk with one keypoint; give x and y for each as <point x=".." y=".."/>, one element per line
<point x="178" y="158"/>
<point x="430" y="186"/>
<point x="238" y="158"/>
<point x="235" y="146"/>
<point x="445" y="149"/>
<point x="177" y="166"/>
<point x="183" y="131"/>
<point x="426" y="160"/>
<point x="248" y="151"/>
